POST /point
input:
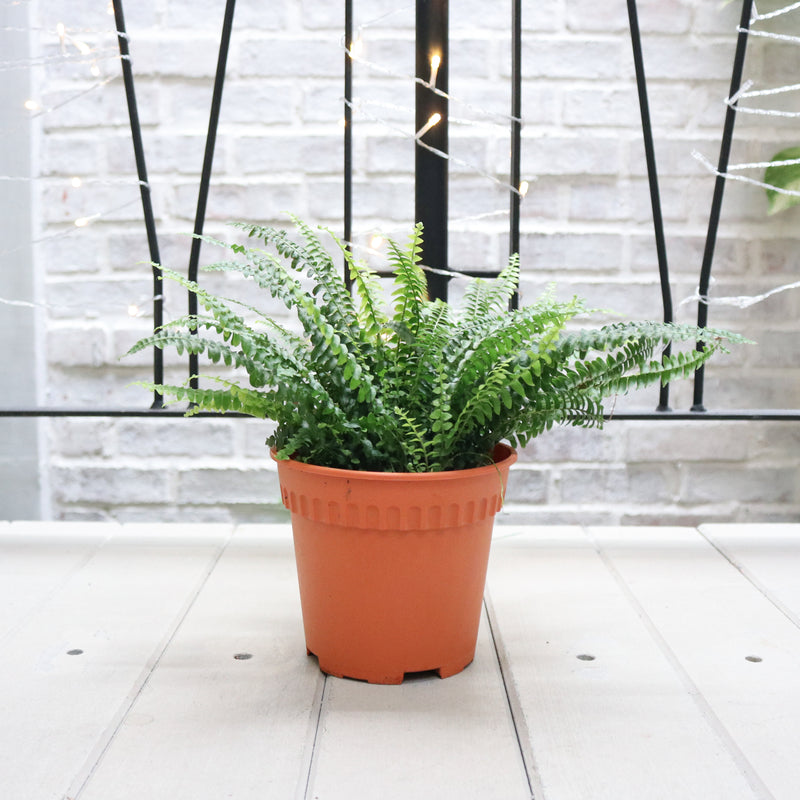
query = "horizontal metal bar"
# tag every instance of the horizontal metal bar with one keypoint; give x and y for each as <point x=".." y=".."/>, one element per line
<point x="110" y="412"/>
<point x="730" y="415"/>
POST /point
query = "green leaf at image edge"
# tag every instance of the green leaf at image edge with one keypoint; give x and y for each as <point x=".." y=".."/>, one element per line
<point x="783" y="176"/>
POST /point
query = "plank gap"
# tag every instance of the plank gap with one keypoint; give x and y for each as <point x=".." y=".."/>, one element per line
<point x="514" y="706"/>
<point x="752" y="579"/>
<point x="106" y="739"/>
<point x="715" y="723"/>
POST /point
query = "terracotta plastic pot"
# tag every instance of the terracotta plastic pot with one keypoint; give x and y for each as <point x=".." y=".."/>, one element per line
<point x="392" y="566"/>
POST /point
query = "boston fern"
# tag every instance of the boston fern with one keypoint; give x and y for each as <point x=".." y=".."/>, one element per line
<point x="423" y="387"/>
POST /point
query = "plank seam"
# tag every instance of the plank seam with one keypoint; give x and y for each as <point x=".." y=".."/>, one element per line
<point x="715" y="724"/>
<point x="82" y="778"/>
<point x="306" y="786"/>
<point x="747" y="575"/>
<point x="54" y="590"/>
<point x="514" y="706"/>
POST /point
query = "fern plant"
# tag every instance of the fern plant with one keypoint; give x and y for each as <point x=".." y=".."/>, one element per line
<point x="423" y="387"/>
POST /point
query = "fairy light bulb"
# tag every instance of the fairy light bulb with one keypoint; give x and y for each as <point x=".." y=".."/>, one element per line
<point x="436" y="62"/>
<point x="434" y="119"/>
<point x="32" y="105"/>
<point x="356" y="47"/>
<point x="376" y="242"/>
<point x="75" y="182"/>
<point x="133" y="310"/>
<point x="523" y="188"/>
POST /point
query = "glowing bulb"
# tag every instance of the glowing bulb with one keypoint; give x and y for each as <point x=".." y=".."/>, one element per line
<point x="436" y="61"/>
<point x="376" y="242"/>
<point x="61" y="31"/>
<point x="523" y="188"/>
<point x="434" y="119"/>
<point x="32" y="105"/>
<point x="110" y="8"/>
<point x="82" y="222"/>
<point x="95" y="70"/>
<point x="356" y="47"/>
<point x="76" y="182"/>
<point x="133" y="310"/>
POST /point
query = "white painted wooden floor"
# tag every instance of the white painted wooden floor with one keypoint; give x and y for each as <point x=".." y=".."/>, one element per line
<point x="625" y="663"/>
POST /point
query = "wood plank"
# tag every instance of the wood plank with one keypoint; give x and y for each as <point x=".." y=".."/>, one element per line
<point x="425" y="738"/>
<point x="119" y="608"/>
<point x="36" y="559"/>
<point x="711" y="619"/>
<point x="208" y="725"/>
<point x="622" y="725"/>
<point x="768" y="555"/>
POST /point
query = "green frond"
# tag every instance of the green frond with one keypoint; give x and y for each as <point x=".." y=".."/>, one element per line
<point x="423" y="386"/>
<point x="410" y="286"/>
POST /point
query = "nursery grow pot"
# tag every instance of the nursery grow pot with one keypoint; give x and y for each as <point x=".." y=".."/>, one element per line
<point x="392" y="566"/>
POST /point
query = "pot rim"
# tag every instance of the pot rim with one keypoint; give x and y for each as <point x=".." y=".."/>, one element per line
<point x="503" y="454"/>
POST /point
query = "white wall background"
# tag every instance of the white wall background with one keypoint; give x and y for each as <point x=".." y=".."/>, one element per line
<point x="586" y="224"/>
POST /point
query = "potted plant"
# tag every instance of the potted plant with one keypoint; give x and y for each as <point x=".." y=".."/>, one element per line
<point x="394" y="428"/>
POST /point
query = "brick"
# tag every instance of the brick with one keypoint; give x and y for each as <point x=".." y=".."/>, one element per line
<point x="670" y="441"/>
<point x="208" y="14"/>
<point x="78" y="347"/>
<point x="676" y="58"/>
<point x="591" y="252"/>
<point x="571" y="57"/>
<point x="564" y="444"/>
<point x="232" y="201"/>
<point x="109" y="485"/>
<point x="212" y="486"/>
<point x="94" y="298"/>
<point x="300" y="57"/>
<point x="283" y="153"/>
<point x="717" y="483"/>
<point x="599" y="201"/>
<point x="194" y="437"/>
<point x="527" y="486"/>
<point x="582" y="16"/>
<point x="617" y="485"/>
<point x="72" y="108"/>
<point x="570" y="156"/>
<point x="76" y="438"/>
<point x="616" y="109"/>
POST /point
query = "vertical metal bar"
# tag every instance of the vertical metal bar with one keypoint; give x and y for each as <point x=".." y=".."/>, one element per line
<point x="652" y="176"/>
<point x="348" y="133"/>
<point x="719" y="188"/>
<point x="144" y="189"/>
<point x="430" y="169"/>
<point x="516" y="132"/>
<point x="205" y="178"/>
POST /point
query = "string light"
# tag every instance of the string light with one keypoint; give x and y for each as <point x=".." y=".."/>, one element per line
<point x="356" y="48"/>
<point x="436" y="61"/>
<point x="471" y="167"/>
<point x="434" y="119"/>
<point x="778" y="12"/>
<point x="31" y="105"/>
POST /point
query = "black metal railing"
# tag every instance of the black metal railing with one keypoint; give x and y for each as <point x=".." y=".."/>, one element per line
<point x="431" y="187"/>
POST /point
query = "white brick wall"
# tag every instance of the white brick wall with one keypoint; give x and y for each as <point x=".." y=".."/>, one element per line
<point x="585" y="223"/>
